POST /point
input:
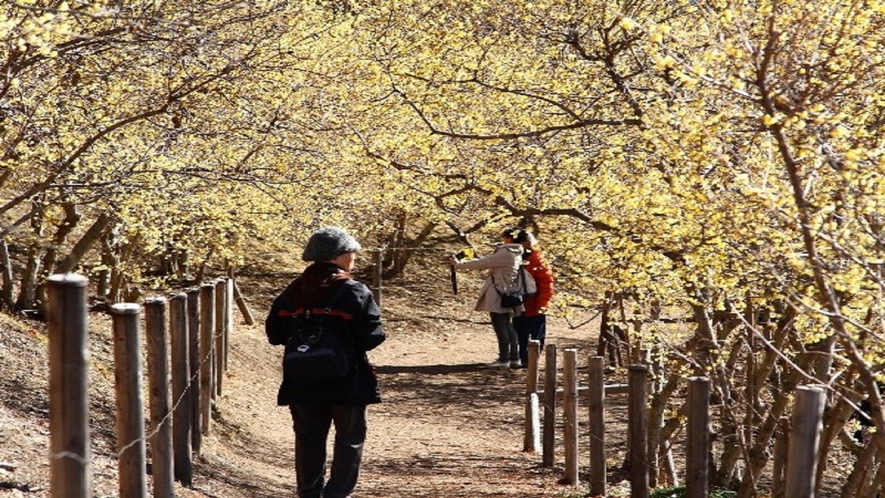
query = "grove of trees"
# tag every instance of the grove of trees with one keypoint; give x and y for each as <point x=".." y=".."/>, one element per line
<point x="717" y="160"/>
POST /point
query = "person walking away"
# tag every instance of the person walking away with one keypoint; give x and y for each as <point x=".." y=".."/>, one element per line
<point x="532" y="323"/>
<point x="346" y="307"/>
<point x="503" y="266"/>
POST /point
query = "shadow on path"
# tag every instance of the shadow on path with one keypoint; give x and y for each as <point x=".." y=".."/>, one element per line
<point x="431" y="369"/>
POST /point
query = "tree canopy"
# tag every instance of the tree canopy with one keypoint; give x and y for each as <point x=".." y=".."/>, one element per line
<point x="710" y="155"/>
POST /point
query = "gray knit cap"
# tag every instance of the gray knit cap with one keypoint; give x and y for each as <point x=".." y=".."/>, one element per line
<point x="328" y="243"/>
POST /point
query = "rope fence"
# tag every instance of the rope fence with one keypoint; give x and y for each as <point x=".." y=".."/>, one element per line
<point x="796" y="448"/>
<point x="187" y="338"/>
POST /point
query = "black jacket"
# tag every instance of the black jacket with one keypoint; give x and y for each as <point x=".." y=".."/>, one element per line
<point x="353" y="313"/>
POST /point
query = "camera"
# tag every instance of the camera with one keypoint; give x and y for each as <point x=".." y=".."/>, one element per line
<point x="463" y="254"/>
<point x="466" y="253"/>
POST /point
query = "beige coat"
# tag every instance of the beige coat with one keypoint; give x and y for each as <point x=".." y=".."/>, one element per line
<point x="503" y="266"/>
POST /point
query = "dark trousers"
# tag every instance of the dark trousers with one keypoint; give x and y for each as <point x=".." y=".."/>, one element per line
<point x="311" y="424"/>
<point x="508" y="346"/>
<point x="529" y="327"/>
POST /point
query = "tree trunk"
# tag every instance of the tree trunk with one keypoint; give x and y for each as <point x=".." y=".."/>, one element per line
<point x="93" y="235"/>
<point x="28" y="283"/>
<point x="611" y="335"/>
<point x="860" y="476"/>
<point x="659" y="432"/>
<point x="201" y="270"/>
<point x="708" y="364"/>
<point x="109" y="260"/>
<point x="119" y="284"/>
<point x="50" y="258"/>
<point x="835" y="420"/>
<point x="404" y="249"/>
<point x="758" y="452"/>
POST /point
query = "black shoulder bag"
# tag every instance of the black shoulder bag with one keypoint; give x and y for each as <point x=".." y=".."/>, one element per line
<point x="511" y="299"/>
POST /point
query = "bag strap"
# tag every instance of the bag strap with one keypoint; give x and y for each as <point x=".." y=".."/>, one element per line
<point x="327" y="309"/>
<point x="494" y="284"/>
<point x="519" y="276"/>
<point x="326" y="312"/>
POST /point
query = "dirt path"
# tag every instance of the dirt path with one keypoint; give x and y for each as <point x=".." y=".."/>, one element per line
<point x="449" y="426"/>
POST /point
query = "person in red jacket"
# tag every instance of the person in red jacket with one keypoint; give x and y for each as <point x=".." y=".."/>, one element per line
<point x="532" y="324"/>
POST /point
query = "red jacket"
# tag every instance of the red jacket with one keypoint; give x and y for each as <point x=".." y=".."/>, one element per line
<point x="543" y="276"/>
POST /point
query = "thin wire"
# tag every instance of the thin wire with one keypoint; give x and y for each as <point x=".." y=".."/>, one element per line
<point x="174" y="407"/>
<point x="190" y="383"/>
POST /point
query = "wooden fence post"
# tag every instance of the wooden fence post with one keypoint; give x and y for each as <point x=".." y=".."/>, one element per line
<point x="207" y="347"/>
<point x="570" y="411"/>
<point x="697" y="473"/>
<point x="596" y="404"/>
<point x="69" y="387"/>
<point x="532" y="437"/>
<point x="6" y="280"/>
<point x="637" y="416"/>
<point x="806" y="425"/>
<point x="534" y="418"/>
<point x="155" y="323"/>
<point x="220" y="320"/>
<point x="549" y="430"/>
<point x="194" y="383"/>
<point x="130" y="411"/>
<point x="244" y="307"/>
<point x="376" y="275"/>
<point x="181" y="395"/>
<point x="228" y="319"/>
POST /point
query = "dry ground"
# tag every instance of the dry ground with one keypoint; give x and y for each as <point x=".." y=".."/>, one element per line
<point x="449" y="427"/>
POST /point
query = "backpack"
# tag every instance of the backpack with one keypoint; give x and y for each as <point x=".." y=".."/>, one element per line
<point x="316" y="353"/>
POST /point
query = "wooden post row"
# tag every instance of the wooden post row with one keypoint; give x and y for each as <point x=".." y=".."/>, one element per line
<point x="228" y="319"/>
<point x="596" y="407"/>
<point x="376" y="276"/>
<point x="181" y="395"/>
<point x="806" y="426"/>
<point x="198" y="342"/>
<point x="130" y="411"/>
<point x="697" y="480"/>
<point x="637" y="419"/>
<point x="71" y="474"/>
<point x="220" y="321"/>
<point x="207" y="346"/>
<point x="697" y="483"/>
<point x="155" y="324"/>
<point x="550" y="386"/>
<point x="570" y="412"/>
<point x="531" y="440"/>
<point x="193" y="331"/>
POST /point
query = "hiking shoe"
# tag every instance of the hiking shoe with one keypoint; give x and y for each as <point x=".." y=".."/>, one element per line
<point x="499" y="364"/>
<point x="515" y="364"/>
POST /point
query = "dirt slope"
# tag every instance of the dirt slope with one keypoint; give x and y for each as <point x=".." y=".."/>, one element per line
<point x="448" y="427"/>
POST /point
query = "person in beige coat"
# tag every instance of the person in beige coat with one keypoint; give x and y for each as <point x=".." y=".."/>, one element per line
<point x="503" y="271"/>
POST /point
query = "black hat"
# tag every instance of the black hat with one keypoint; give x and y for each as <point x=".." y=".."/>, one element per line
<point x="328" y="243"/>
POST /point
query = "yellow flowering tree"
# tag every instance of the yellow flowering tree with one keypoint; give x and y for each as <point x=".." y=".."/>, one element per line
<point x="724" y="156"/>
<point x="715" y="161"/>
